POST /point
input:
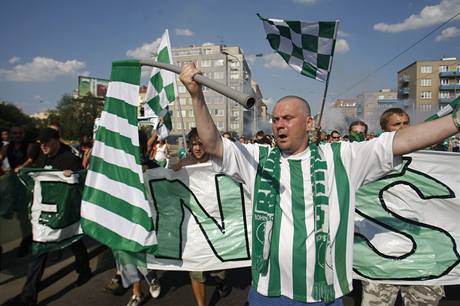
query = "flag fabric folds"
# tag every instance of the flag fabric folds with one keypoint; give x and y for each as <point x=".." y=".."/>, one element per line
<point x="308" y="47"/>
<point x="161" y="89"/>
<point x="55" y="209"/>
<point x="452" y="106"/>
<point x="114" y="209"/>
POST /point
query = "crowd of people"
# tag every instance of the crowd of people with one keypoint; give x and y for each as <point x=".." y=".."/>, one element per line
<point x="291" y="265"/>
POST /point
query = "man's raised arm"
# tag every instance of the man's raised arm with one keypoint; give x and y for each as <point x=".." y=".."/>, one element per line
<point x="423" y="135"/>
<point x="207" y="131"/>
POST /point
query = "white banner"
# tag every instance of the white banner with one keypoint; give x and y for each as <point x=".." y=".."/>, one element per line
<point x="202" y="219"/>
<point x="55" y="211"/>
<point x="407" y="228"/>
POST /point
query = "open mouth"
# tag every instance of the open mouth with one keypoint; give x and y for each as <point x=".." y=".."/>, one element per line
<point x="282" y="137"/>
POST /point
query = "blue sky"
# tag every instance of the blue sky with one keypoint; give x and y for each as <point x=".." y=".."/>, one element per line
<point x="47" y="44"/>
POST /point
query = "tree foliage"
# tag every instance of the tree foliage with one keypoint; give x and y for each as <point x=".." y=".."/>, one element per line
<point x="11" y="115"/>
<point x="76" y="115"/>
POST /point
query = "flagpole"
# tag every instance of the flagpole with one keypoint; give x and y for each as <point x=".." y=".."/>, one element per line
<point x="318" y="125"/>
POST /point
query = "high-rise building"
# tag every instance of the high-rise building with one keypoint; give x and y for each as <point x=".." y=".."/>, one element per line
<point x="223" y="64"/>
<point x="429" y="85"/>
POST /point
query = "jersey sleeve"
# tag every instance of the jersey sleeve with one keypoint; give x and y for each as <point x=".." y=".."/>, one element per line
<point x="239" y="161"/>
<point x="370" y="160"/>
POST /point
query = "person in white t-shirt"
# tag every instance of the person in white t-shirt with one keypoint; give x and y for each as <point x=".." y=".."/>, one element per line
<point x="161" y="153"/>
<point x="303" y="196"/>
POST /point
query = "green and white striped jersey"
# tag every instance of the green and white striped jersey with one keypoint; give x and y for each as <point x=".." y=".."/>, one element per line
<point x="292" y="254"/>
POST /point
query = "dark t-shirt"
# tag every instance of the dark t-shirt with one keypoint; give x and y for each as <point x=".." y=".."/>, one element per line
<point x="63" y="160"/>
<point x="16" y="156"/>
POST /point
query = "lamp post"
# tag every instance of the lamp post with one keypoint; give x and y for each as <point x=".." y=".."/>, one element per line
<point x="244" y="75"/>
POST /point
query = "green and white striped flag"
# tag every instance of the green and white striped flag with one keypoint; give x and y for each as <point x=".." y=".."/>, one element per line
<point x="114" y="209"/>
<point x="308" y="47"/>
<point x="161" y="89"/>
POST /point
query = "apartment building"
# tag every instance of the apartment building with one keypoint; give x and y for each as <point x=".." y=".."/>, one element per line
<point x="224" y="64"/>
<point x="427" y="86"/>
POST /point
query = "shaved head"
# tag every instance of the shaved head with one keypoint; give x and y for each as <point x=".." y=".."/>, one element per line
<point x="305" y="106"/>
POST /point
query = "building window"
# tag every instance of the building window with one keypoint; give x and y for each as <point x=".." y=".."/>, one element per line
<point x="218" y="75"/>
<point x="425" y="107"/>
<point x="220" y="125"/>
<point x="207" y="51"/>
<point x="458" y="67"/>
<point x="183" y="101"/>
<point x="235" y="126"/>
<point x="178" y="125"/>
<point x="205" y="63"/>
<point x="425" y="82"/>
<point x="218" y="62"/>
<point x="426" y="95"/>
<point x="234" y="64"/>
<point x="444" y="82"/>
<point x="426" y="69"/>
<point x="207" y="74"/>
<point x="443" y="68"/>
<point x="234" y="75"/>
<point x="444" y="94"/>
<point x="235" y="113"/>
<point x="218" y="112"/>
<point x="190" y="125"/>
<point x="184" y="113"/>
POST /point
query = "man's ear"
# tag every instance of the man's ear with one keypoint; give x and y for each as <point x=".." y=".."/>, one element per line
<point x="310" y="124"/>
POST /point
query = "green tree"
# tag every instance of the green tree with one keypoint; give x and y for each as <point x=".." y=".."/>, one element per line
<point x="76" y="115"/>
<point x="11" y="115"/>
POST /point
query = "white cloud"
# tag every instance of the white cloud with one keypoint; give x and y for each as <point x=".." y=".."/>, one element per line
<point x="42" y="69"/>
<point x="448" y="33"/>
<point x="148" y="50"/>
<point x="13" y="60"/>
<point x="342" y="34"/>
<point x="341" y="46"/>
<point x="274" y="60"/>
<point x="251" y="59"/>
<point x="184" y="32"/>
<point x="306" y="1"/>
<point x="429" y="15"/>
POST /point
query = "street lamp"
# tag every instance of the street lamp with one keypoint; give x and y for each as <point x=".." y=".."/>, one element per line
<point x="245" y="76"/>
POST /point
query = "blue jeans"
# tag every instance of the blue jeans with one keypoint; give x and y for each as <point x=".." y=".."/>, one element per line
<point x="257" y="299"/>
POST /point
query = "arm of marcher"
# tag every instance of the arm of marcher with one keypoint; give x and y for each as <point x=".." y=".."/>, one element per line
<point x="423" y="135"/>
<point x="207" y="131"/>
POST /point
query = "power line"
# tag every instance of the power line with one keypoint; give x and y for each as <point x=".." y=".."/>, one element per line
<point x="396" y="56"/>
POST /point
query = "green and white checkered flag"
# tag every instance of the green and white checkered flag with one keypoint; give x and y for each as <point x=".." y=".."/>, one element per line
<point x="161" y="89"/>
<point x="308" y="47"/>
<point x="115" y="210"/>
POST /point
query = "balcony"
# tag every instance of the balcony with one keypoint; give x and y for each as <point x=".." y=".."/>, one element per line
<point x="450" y="87"/>
<point x="449" y="74"/>
<point x="404" y="91"/>
<point x="445" y="100"/>
<point x="404" y="79"/>
<point x="386" y="103"/>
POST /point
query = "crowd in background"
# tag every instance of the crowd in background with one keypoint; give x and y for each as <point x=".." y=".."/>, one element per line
<point x="17" y="153"/>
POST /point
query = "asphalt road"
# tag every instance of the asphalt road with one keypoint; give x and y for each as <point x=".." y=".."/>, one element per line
<point x="59" y="287"/>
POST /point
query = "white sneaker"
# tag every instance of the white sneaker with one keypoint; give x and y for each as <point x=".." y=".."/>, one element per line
<point x="135" y="300"/>
<point x="155" y="288"/>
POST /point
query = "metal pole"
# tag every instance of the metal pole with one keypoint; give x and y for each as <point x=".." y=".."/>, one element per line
<point x="247" y="101"/>
<point x="318" y="125"/>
